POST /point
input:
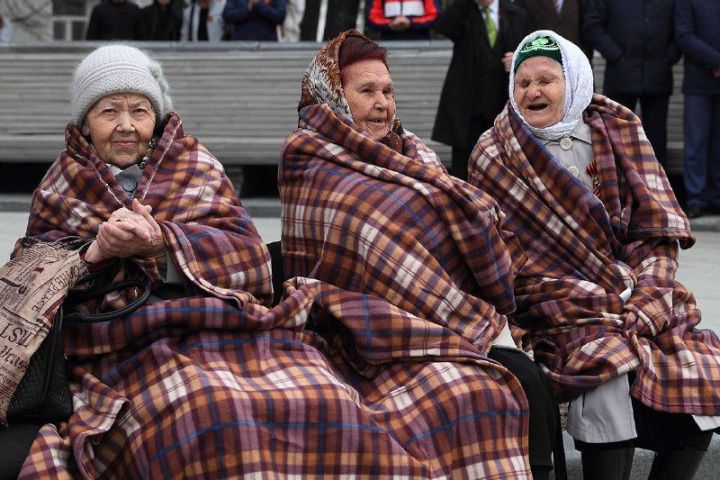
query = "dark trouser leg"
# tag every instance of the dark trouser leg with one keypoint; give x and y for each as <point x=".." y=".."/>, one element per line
<point x="698" y="122"/>
<point x="15" y="443"/>
<point x="677" y="439"/>
<point x="713" y="186"/>
<point x="543" y="410"/>
<point x="654" y="120"/>
<point x="606" y="461"/>
<point x="680" y="464"/>
<point x="458" y="168"/>
<point x="630" y="101"/>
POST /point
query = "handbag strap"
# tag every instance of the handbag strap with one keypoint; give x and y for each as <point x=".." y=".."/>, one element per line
<point x="75" y="317"/>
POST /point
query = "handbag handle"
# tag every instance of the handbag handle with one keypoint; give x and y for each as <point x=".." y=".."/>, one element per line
<point x="107" y="316"/>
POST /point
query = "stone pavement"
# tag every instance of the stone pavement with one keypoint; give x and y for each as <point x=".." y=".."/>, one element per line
<point x="698" y="271"/>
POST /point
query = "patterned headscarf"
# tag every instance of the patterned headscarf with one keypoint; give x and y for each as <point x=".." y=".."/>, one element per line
<point x="322" y="84"/>
<point x="578" y="85"/>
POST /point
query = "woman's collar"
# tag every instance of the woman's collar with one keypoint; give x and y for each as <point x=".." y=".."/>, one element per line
<point x="581" y="132"/>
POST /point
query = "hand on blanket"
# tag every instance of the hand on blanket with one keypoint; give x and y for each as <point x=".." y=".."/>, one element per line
<point x="130" y="233"/>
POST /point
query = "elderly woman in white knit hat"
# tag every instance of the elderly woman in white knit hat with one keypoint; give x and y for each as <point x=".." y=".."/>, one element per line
<point x="119" y="96"/>
<point x="124" y="139"/>
<point x="153" y="205"/>
<point x="597" y="300"/>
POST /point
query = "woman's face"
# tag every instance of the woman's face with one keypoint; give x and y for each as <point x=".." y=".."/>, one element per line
<point x="370" y="95"/>
<point x="120" y="127"/>
<point x="539" y="91"/>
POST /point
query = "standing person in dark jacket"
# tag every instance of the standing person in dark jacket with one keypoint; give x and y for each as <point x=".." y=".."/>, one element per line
<point x="636" y="38"/>
<point x="161" y="20"/>
<point x="564" y="17"/>
<point x="402" y="19"/>
<point x="254" y="19"/>
<point x="484" y="35"/>
<point x="114" y="20"/>
<point x="697" y="28"/>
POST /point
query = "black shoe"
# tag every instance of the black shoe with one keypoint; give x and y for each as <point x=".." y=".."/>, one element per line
<point x="694" y="211"/>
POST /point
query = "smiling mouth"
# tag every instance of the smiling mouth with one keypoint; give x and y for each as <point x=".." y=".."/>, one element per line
<point x="536" y="107"/>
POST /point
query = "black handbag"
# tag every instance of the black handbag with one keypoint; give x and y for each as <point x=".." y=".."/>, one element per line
<point x="43" y="394"/>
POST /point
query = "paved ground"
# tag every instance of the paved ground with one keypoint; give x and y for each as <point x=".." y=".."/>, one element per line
<point x="698" y="271"/>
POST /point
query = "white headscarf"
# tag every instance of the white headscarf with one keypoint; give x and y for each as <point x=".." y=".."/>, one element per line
<point x="578" y="86"/>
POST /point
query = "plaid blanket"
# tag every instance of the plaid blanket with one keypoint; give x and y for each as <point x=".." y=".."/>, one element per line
<point x="207" y="232"/>
<point x="420" y="274"/>
<point x="584" y="250"/>
<point x="216" y="385"/>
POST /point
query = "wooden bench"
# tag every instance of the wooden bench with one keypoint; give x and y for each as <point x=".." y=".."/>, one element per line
<point x="238" y="98"/>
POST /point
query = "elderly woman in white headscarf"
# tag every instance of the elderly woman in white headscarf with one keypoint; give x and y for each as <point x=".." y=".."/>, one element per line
<point x="597" y="300"/>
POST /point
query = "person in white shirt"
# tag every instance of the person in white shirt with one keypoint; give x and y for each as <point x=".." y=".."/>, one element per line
<point x="293" y="18"/>
<point x="202" y="21"/>
<point x="6" y="30"/>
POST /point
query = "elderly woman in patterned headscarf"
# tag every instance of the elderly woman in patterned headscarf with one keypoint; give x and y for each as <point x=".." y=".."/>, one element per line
<point x="369" y="209"/>
<point x="598" y="303"/>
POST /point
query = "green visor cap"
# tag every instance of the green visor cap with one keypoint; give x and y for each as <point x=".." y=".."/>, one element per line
<point x="540" y="46"/>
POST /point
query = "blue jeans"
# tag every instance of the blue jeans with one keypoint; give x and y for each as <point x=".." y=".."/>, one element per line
<point x="702" y="150"/>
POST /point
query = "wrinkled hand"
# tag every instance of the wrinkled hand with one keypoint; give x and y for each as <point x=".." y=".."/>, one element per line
<point x="507" y="61"/>
<point x="128" y="233"/>
<point x="400" y="23"/>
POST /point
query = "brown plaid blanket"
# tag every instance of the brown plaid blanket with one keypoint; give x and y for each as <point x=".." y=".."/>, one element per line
<point x="208" y="233"/>
<point x="420" y="275"/>
<point x="584" y="250"/>
<point x="215" y="385"/>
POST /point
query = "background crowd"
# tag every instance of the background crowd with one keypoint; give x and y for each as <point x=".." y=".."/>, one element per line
<point x="640" y="41"/>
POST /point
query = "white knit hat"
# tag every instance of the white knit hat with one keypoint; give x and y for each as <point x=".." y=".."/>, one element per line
<point x="118" y="68"/>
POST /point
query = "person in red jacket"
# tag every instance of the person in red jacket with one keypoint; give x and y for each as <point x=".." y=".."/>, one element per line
<point x="402" y="19"/>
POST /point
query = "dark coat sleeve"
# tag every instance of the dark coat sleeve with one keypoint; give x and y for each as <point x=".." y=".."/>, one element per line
<point x="94" y="26"/>
<point x="595" y="31"/>
<point x="692" y="44"/>
<point x="235" y="11"/>
<point x="450" y="22"/>
<point x="273" y="11"/>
